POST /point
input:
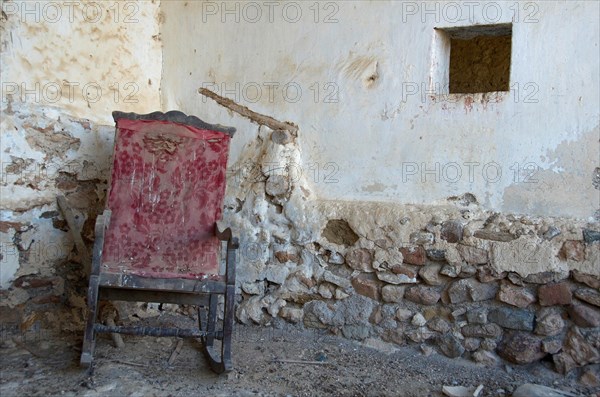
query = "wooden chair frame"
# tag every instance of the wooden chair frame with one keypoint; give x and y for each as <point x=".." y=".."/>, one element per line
<point x="201" y="293"/>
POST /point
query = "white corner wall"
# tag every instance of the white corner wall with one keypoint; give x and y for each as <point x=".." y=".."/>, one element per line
<point x="356" y="77"/>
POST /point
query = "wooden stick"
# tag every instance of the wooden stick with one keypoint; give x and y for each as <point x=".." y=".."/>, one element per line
<point x="175" y="352"/>
<point x="301" y="362"/>
<point x="249" y="114"/>
<point x="75" y="233"/>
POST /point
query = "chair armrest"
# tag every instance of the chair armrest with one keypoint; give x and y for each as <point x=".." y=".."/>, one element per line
<point x="102" y="222"/>
<point x="227" y="235"/>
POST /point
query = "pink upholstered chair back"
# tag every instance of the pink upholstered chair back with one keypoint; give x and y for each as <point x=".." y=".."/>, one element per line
<point x="165" y="194"/>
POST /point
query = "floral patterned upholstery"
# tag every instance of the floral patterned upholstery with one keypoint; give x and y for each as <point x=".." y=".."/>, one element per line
<point x="166" y="193"/>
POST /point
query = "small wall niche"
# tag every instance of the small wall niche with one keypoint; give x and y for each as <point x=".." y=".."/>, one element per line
<point x="472" y="59"/>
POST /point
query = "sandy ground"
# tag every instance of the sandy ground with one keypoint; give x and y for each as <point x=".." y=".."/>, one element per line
<point x="39" y="364"/>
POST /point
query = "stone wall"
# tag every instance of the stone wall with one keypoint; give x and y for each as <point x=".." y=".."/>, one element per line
<point x="466" y="281"/>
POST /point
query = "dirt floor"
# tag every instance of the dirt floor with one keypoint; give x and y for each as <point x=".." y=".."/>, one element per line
<point x="39" y="364"/>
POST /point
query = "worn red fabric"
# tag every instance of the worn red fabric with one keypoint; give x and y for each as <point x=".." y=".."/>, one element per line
<point x="166" y="193"/>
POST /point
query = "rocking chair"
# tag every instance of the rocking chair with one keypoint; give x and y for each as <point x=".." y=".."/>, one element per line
<point x="158" y="240"/>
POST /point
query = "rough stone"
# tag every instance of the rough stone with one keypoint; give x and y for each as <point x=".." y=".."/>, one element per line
<point x="423" y="295"/>
<point x="392" y="293"/>
<point x="590" y="236"/>
<point x="552" y="345"/>
<point x="517" y="319"/>
<point x="492" y="235"/>
<point x="358" y="332"/>
<point x="588" y="295"/>
<point x="492" y="331"/>
<point x="489" y="344"/>
<point x="431" y="274"/>
<point x="284" y="257"/>
<point x="555" y="294"/>
<point x="392" y="278"/>
<point x="546" y="277"/>
<point x="473" y="255"/>
<point x="366" y="286"/>
<point x="438" y="324"/>
<point x="281" y="137"/>
<point x="515" y="279"/>
<point x="451" y="270"/>
<point x="325" y="291"/>
<point x="276" y="274"/>
<point x="477" y="316"/>
<point x="521" y="348"/>
<point x="590" y="378"/>
<point x="450" y="346"/>
<point x="420" y="334"/>
<point x="563" y="363"/>
<point x="401" y="269"/>
<point x="467" y="271"/>
<point x="452" y="231"/>
<point x="335" y="279"/>
<point x="251" y="288"/>
<point x="277" y="185"/>
<point x="485" y="357"/>
<point x="338" y="231"/>
<point x="461" y="290"/>
<point x="336" y="258"/>
<point x="340" y="294"/>
<point x="587" y="279"/>
<point x="291" y="314"/>
<point x="436" y="254"/>
<point x="472" y="344"/>
<point x="422" y="238"/>
<point x="552" y="232"/>
<point x="515" y="296"/>
<point x="394" y="336"/>
<point x="572" y="250"/>
<point x="583" y="346"/>
<point x="584" y="315"/>
<point x="403" y="314"/>
<point x="360" y="259"/>
<point x="456" y="314"/>
<point x="486" y="274"/>
<point x="549" y="324"/>
<point x="418" y="320"/>
<point x="413" y="255"/>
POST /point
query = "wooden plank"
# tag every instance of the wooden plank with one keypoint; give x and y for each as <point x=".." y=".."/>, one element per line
<point x="119" y="280"/>
<point x="131" y="295"/>
<point x="75" y="233"/>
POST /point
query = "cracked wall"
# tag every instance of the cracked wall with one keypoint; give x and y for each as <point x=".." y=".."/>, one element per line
<point x="355" y="222"/>
<point x="65" y="68"/>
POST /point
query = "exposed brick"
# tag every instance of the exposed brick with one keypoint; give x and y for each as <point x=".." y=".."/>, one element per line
<point x="555" y="294"/>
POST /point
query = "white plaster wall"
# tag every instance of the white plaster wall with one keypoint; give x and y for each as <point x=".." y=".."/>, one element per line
<point x="88" y="58"/>
<point x="377" y="62"/>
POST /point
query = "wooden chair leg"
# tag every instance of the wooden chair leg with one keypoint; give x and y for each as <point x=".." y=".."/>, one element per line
<point x="220" y="362"/>
<point x="89" y="338"/>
